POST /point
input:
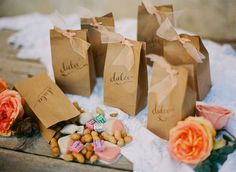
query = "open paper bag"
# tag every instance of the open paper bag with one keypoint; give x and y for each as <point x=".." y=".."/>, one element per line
<point x="47" y="101"/>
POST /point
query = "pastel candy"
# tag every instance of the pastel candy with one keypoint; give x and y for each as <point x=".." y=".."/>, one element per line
<point x="77" y="146"/>
<point x="112" y="125"/>
<point x="99" y="127"/>
<point x="110" y="154"/>
<point x="71" y="128"/>
<point x="64" y="143"/>
<point x="99" y="145"/>
<point x="100" y="118"/>
<point x="85" y="117"/>
<point x="90" y="124"/>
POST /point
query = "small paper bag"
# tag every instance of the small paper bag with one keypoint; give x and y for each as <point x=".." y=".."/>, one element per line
<point x="47" y="101"/>
<point x="187" y="49"/>
<point x="72" y="61"/>
<point x="125" y="76"/>
<point x="171" y="97"/>
<point x="149" y="20"/>
<point x="94" y="37"/>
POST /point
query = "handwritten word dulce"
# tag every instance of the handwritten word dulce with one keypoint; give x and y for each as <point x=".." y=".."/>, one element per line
<point x="43" y="96"/>
<point x="69" y="67"/>
<point x="120" y="78"/>
<point x="161" y="112"/>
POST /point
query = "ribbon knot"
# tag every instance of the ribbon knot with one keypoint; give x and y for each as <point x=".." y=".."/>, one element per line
<point x="167" y="32"/>
<point x="152" y="10"/>
<point x="95" y="23"/>
<point x="163" y="88"/>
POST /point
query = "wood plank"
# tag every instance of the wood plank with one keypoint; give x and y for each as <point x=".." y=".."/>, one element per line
<point x="11" y="161"/>
<point x="38" y="146"/>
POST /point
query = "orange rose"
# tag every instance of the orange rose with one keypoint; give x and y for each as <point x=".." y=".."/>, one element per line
<point x="10" y="109"/>
<point x="217" y="115"/>
<point x="3" y="85"/>
<point x="191" y="141"/>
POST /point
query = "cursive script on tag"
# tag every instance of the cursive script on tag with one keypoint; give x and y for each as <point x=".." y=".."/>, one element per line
<point x="69" y="67"/>
<point x="44" y="95"/>
<point x="120" y="78"/>
<point x="161" y="113"/>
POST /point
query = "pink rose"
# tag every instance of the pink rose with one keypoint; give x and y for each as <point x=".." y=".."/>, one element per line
<point x="217" y="115"/>
<point x="3" y="85"/>
<point x="10" y="109"/>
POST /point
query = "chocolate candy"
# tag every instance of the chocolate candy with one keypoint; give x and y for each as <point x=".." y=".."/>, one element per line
<point x="99" y="145"/>
<point x="77" y="146"/>
<point x="100" y="118"/>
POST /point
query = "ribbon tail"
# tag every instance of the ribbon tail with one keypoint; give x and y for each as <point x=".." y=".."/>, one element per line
<point x="167" y="31"/>
<point x="163" y="88"/>
<point x="79" y="46"/>
<point x="193" y="52"/>
<point x="110" y="37"/>
<point x="149" y="7"/>
<point x="125" y="58"/>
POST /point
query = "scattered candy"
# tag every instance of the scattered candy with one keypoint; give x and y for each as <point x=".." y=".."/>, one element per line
<point x="100" y="118"/>
<point x="77" y="146"/>
<point x="101" y="139"/>
<point x="99" y="127"/>
<point x="90" y="124"/>
<point x="99" y="145"/>
<point x="85" y="117"/>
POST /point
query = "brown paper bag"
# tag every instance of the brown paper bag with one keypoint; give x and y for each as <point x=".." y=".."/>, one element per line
<point x="126" y="89"/>
<point x="176" y="54"/>
<point x="148" y="25"/>
<point x="74" y="71"/>
<point x="167" y="103"/>
<point x="94" y="37"/>
<point x="47" y="101"/>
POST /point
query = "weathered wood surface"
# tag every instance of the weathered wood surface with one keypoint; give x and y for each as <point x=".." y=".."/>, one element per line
<point x="34" y="154"/>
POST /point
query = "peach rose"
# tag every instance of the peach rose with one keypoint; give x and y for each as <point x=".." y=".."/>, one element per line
<point x="10" y="109"/>
<point x="191" y="141"/>
<point x="3" y="85"/>
<point x="217" y="115"/>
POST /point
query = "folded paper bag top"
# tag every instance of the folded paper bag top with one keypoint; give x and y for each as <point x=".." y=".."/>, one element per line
<point x="99" y="49"/>
<point x="187" y="49"/>
<point x="46" y="100"/>
<point x="149" y="19"/>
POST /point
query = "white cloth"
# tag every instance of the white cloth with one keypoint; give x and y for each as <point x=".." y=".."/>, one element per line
<point x="147" y="152"/>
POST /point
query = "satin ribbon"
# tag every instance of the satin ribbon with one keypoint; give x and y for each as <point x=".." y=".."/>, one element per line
<point x="78" y="45"/>
<point x="126" y="55"/>
<point x="163" y="88"/>
<point x="152" y="10"/>
<point x="167" y="32"/>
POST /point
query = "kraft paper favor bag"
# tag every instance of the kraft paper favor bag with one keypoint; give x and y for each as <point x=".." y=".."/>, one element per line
<point x="171" y="96"/>
<point x="47" y="101"/>
<point x="149" y="19"/>
<point x="125" y="75"/>
<point x="72" y="61"/>
<point x="187" y="49"/>
<point x="94" y="36"/>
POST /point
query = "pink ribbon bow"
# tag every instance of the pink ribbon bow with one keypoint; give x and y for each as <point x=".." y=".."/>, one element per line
<point x="78" y="45"/>
<point x="168" y="32"/>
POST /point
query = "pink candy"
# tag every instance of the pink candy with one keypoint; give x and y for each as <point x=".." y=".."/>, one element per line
<point x="77" y="146"/>
<point x="99" y="145"/>
<point x="90" y="124"/>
